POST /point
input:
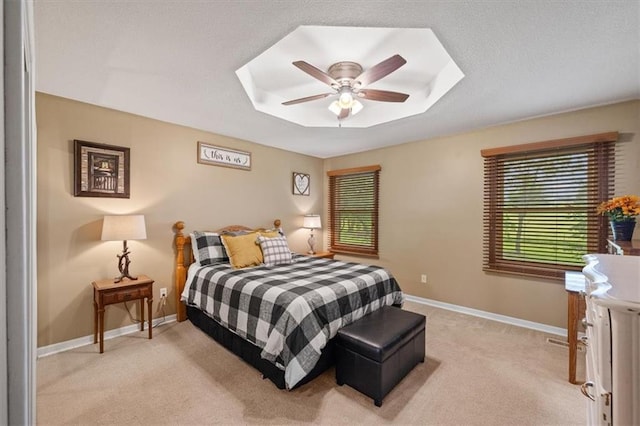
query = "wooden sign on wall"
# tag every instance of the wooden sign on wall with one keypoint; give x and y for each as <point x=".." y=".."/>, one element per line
<point x="221" y="156"/>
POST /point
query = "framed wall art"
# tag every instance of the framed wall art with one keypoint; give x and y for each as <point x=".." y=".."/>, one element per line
<point x="221" y="156"/>
<point x="301" y="184"/>
<point x="100" y="170"/>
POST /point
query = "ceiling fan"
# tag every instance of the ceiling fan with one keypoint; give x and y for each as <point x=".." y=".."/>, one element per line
<point x="349" y="81"/>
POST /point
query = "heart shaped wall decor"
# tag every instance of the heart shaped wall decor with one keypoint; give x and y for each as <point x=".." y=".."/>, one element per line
<point x="301" y="184"/>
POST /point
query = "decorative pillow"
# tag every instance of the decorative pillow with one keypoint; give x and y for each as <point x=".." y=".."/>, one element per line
<point x="275" y="250"/>
<point x="266" y="232"/>
<point x="236" y="233"/>
<point x="278" y="231"/>
<point x="207" y="248"/>
<point x="243" y="250"/>
<point x="270" y="233"/>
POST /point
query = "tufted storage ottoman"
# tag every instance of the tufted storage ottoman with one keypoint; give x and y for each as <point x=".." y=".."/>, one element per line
<point x="374" y="353"/>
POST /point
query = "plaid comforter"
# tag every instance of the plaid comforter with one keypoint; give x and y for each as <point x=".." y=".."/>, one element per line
<point x="291" y="311"/>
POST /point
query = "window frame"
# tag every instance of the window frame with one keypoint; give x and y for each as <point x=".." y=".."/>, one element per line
<point x="370" y="250"/>
<point x="601" y="166"/>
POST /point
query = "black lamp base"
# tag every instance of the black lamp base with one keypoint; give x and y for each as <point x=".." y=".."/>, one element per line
<point x="123" y="276"/>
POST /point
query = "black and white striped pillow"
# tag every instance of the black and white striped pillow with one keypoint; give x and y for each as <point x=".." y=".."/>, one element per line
<point x="275" y="250"/>
<point x="208" y="248"/>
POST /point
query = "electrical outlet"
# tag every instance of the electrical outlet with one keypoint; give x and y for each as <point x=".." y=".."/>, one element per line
<point x="423" y="278"/>
<point x="163" y="292"/>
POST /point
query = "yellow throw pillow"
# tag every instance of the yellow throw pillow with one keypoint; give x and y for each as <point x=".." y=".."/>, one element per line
<point x="243" y="251"/>
<point x="269" y="234"/>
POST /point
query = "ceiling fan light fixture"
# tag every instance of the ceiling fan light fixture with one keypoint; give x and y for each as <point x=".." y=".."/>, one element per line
<point x="356" y="107"/>
<point x="346" y="99"/>
<point x="335" y="107"/>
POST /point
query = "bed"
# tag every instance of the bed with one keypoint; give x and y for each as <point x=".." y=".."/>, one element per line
<point x="280" y="315"/>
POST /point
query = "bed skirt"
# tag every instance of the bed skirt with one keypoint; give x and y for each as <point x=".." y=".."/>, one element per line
<point x="250" y="353"/>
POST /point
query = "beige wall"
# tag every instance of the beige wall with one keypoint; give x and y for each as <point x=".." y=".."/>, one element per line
<point x="431" y="211"/>
<point x="430" y="218"/>
<point x="167" y="185"/>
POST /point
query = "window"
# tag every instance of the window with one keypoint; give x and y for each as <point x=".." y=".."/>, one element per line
<point x="540" y="204"/>
<point x="353" y="210"/>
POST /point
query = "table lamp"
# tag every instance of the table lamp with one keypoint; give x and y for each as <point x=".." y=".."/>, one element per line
<point x="116" y="228"/>
<point x="311" y="221"/>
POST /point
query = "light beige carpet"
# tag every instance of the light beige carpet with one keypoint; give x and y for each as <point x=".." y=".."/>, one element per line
<point x="477" y="372"/>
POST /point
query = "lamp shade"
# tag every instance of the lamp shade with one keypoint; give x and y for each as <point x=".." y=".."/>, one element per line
<point x="312" y="221"/>
<point x="122" y="228"/>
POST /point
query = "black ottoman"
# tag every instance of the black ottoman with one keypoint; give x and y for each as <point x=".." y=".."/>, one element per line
<point x="374" y="353"/>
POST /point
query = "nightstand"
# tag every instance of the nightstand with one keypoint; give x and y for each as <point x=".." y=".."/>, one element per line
<point x="106" y="292"/>
<point x="323" y="254"/>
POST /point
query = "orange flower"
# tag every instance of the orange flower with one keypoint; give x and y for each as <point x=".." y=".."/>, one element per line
<point x="619" y="209"/>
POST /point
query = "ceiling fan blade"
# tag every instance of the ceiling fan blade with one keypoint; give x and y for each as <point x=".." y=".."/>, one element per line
<point x="380" y="70"/>
<point x="307" y="99"/>
<point x="382" y="95"/>
<point x="316" y="73"/>
<point x="344" y="113"/>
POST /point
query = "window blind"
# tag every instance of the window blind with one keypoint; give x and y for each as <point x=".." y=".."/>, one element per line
<point x="540" y="204"/>
<point x="353" y="210"/>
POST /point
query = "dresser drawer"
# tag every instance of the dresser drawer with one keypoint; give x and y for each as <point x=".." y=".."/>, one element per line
<point x="126" y="294"/>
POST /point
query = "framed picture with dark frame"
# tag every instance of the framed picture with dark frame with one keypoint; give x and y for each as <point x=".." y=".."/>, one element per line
<point x="301" y="184"/>
<point x="100" y="170"/>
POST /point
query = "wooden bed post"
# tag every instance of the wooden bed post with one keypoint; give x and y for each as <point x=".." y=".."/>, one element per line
<point x="181" y="272"/>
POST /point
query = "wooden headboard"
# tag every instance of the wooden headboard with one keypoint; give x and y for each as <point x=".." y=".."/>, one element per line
<point x="183" y="262"/>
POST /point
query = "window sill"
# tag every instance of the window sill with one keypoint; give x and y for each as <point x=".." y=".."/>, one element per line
<point x="555" y="276"/>
<point x="354" y="253"/>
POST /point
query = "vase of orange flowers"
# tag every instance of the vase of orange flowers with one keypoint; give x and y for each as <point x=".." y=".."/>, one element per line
<point x="622" y="212"/>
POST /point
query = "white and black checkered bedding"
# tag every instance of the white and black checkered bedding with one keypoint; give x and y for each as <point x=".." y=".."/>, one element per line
<point x="291" y="311"/>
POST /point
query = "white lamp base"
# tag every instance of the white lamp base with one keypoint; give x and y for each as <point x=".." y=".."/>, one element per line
<point x="312" y="243"/>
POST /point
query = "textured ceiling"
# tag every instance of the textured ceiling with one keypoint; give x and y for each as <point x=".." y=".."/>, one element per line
<point x="176" y="61"/>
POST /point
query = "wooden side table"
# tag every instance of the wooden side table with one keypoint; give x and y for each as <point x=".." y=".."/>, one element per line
<point x="323" y="254"/>
<point x="574" y="284"/>
<point x="106" y="292"/>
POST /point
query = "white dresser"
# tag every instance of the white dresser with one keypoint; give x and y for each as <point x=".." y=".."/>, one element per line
<point x="613" y="339"/>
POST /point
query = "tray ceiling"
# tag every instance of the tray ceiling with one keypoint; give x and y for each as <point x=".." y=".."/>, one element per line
<point x="270" y="78"/>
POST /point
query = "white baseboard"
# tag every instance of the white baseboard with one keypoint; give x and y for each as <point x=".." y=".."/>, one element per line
<point x="489" y="315"/>
<point x="88" y="340"/>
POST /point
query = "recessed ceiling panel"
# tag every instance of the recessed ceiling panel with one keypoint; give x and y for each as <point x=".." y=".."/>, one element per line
<point x="271" y="78"/>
